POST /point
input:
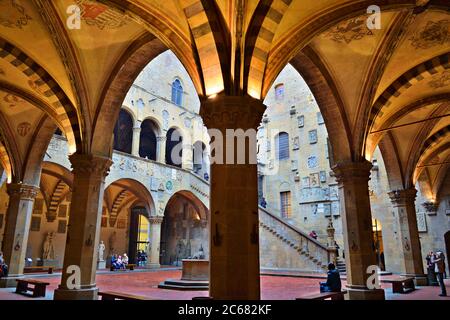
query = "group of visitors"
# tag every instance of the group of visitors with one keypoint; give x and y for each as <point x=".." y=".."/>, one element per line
<point x="119" y="262"/>
<point x="3" y="266"/>
<point x="141" y="258"/>
<point x="436" y="267"/>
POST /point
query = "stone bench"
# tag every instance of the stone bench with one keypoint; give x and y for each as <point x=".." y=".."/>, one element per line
<point x="38" y="289"/>
<point x="38" y="268"/>
<point x="324" y="296"/>
<point x="402" y="285"/>
<point x="128" y="266"/>
<point x="111" y="295"/>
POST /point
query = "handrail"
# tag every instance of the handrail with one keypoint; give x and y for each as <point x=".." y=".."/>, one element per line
<point x="303" y="234"/>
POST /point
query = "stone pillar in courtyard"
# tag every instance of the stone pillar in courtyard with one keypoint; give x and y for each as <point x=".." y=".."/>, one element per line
<point x="136" y="141"/>
<point x="403" y="202"/>
<point x="17" y="228"/>
<point x="83" y="230"/>
<point x="234" y="232"/>
<point x="161" y="157"/>
<point x="155" y="234"/>
<point x="353" y="182"/>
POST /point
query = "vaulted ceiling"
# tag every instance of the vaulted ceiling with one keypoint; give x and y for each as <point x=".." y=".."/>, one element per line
<point x="387" y="86"/>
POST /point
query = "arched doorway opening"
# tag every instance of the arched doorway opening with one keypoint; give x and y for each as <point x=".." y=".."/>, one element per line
<point x="174" y="151"/>
<point x="123" y="132"/>
<point x="148" y="143"/>
<point x="184" y="229"/>
<point x="127" y="206"/>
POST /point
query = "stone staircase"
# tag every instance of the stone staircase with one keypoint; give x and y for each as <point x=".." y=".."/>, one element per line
<point x="340" y="265"/>
<point x="314" y="255"/>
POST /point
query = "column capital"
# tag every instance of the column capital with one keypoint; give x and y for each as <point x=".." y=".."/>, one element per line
<point x="156" y="219"/>
<point x="24" y="191"/>
<point x="232" y="112"/>
<point x="161" y="138"/>
<point x="403" y="196"/>
<point x="350" y="170"/>
<point x="88" y="163"/>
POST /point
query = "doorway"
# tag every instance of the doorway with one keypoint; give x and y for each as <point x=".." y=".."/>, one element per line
<point x="139" y="233"/>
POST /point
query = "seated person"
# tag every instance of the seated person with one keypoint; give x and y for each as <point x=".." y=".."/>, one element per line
<point x="139" y="257"/>
<point x="3" y="266"/>
<point x="114" y="262"/>
<point x="333" y="283"/>
<point x="119" y="263"/>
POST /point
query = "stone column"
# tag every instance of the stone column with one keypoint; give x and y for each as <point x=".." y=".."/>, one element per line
<point x="155" y="234"/>
<point x="403" y="202"/>
<point x="353" y="182"/>
<point x="234" y="236"/>
<point x="161" y="148"/>
<point x="83" y="230"/>
<point x="17" y="228"/>
<point x="136" y="141"/>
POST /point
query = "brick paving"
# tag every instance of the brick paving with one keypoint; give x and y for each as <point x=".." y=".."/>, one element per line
<point x="272" y="287"/>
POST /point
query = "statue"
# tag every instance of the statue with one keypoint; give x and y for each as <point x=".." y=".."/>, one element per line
<point x="48" y="249"/>
<point x="101" y="250"/>
<point x="200" y="255"/>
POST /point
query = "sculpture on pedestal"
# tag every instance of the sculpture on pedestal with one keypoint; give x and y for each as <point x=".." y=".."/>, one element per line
<point x="101" y="250"/>
<point x="48" y="251"/>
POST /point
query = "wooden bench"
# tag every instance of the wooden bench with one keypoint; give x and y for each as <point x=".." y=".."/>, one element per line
<point x="324" y="295"/>
<point x="402" y="285"/>
<point x="111" y="295"/>
<point x="38" y="289"/>
<point x="128" y="266"/>
<point x="38" y="268"/>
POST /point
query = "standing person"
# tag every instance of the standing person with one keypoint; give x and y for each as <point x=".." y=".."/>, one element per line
<point x="337" y="248"/>
<point x="125" y="259"/>
<point x="432" y="281"/>
<point x="439" y="265"/>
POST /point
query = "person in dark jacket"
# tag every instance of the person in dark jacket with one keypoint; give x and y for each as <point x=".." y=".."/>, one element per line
<point x="333" y="283"/>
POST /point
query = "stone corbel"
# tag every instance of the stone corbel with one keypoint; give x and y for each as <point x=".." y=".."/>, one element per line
<point x="430" y="207"/>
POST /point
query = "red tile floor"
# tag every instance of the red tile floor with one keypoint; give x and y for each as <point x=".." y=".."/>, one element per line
<point x="272" y="287"/>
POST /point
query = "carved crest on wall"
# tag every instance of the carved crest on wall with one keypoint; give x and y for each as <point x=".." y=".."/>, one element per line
<point x="435" y="33"/>
<point x="101" y="16"/>
<point x="440" y="80"/>
<point x="348" y="31"/>
<point x="23" y="128"/>
<point x="12" y="100"/>
<point x="13" y="15"/>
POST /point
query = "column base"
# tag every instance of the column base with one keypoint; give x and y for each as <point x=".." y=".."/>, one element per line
<point x="80" y="294"/>
<point x="364" y="294"/>
<point x="419" y="279"/>
<point x="153" y="265"/>
<point x="10" y="281"/>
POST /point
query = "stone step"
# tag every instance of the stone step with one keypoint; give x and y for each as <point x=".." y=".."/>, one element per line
<point x="178" y="284"/>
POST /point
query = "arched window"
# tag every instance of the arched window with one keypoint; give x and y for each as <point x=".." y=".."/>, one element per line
<point x="282" y="146"/>
<point x="199" y="157"/>
<point x="174" y="151"/>
<point x="148" y="144"/>
<point x="279" y="91"/>
<point x="177" y="92"/>
<point x="123" y="132"/>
